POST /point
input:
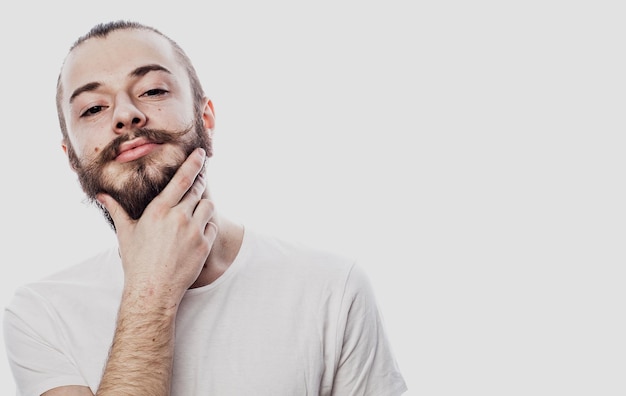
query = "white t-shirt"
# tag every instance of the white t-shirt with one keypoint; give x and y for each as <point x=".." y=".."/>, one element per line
<point x="282" y="320"/>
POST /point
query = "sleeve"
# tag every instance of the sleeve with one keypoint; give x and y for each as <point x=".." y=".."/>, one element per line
<point x="366" y="365"/>
<point x="34" y="346"/>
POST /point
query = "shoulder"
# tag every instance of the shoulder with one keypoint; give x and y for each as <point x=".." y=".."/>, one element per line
<point x="296" y="256"/>
<point x="309" y="269"/>
<point x="99" y="268"/>
<point x="101" y="272"/>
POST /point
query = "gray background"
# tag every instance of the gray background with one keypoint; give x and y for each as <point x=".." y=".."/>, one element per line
<point x="468" y="154"/>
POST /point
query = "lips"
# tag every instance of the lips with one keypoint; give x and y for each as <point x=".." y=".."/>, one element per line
<point x="134" y="149"/>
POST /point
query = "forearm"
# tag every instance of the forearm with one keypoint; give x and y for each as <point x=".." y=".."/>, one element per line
<point x="162" y="253"/>
<point x="141" y="355"/>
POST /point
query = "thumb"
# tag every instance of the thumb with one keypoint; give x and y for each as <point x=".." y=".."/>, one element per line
<point x="114" y="209"/>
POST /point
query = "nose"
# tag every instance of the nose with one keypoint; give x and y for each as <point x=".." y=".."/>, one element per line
<point x="127" y="116"/>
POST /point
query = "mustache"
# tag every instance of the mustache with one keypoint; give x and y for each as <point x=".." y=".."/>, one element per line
<point x="111" y="150"/>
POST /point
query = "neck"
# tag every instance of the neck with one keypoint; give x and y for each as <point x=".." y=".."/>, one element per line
<point x="225" y="248"/>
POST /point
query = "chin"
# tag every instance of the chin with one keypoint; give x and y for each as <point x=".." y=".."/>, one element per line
<point x="137" y="189"/>
<point x="154" y="168"/>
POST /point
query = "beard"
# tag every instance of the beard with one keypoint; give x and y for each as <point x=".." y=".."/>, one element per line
<point x="145" y="177"/>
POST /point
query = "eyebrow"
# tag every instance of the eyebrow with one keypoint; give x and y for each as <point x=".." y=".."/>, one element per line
<point x="138" y="72"/>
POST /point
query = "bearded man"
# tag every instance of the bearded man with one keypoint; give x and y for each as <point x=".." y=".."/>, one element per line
<point x="187" y="302"/>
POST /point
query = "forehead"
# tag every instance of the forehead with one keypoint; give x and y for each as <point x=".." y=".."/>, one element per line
<point x="109" y="59"/>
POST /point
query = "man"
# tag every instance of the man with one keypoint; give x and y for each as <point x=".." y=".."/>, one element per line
<point x="188" y="303"/>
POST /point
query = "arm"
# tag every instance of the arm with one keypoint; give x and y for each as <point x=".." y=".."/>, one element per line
<point x="366" y="364"/>
<point x="162" y="255"/>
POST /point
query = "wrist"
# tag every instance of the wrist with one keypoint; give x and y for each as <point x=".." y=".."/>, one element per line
<point x="144" y="298"/>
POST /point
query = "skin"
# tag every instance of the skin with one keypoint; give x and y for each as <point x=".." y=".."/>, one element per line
<point x="175" y="245"/>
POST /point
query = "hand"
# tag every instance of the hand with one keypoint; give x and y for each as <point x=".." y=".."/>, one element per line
<point x="163" y="252"/>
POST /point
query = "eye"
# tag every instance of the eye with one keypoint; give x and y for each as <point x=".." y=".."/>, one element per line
<point x="154" y="92"/>
<point x="92" y="110"/>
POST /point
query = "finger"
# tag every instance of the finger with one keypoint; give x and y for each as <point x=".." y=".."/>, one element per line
<point x="115" y="210"/>
<point x="203" y="212"/>
<point x="183" y="180"/>
<point x="193" y="195"/>
<point x="211" y="231"/>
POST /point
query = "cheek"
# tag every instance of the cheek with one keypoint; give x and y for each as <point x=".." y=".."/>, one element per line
<point x="96" y="150"/>
<point x="175" y="117"/>
<point x="89" y="138"/>
<point x="87" y="150"/>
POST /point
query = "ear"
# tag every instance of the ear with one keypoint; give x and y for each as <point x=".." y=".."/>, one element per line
<point x="208" y="116"/>
<point x="65" y="150"/>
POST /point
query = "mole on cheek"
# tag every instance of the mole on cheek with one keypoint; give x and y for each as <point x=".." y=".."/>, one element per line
<point x="95" y="150"/>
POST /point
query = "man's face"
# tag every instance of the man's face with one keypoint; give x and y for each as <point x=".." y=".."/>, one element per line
<point x="130" y="116"/>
